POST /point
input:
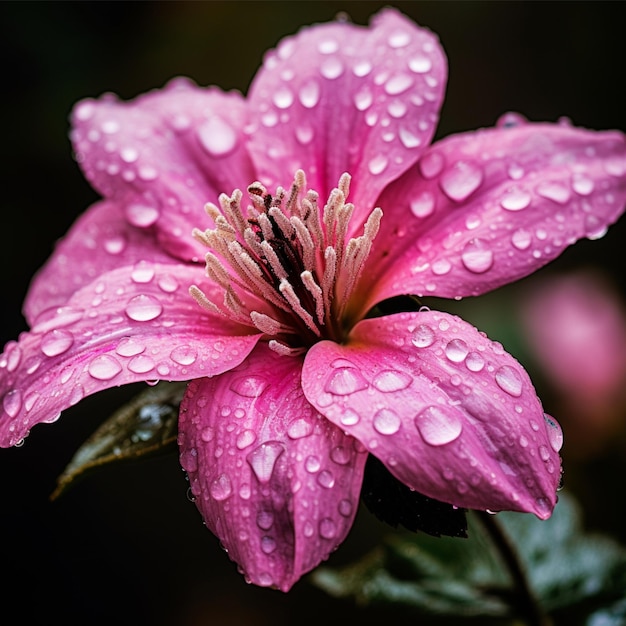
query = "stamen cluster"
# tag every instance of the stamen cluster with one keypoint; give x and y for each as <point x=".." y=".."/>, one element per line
<point x="290" y="256"/>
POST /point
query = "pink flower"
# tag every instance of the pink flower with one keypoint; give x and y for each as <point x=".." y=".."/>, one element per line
<point x="292" y="383"/>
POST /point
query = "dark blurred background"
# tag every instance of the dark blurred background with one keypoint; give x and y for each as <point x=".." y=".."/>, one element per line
<point x="126" y="546"/>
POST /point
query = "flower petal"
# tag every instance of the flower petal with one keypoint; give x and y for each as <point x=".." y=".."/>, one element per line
<point x="164" y="155"/>
<point x="99" y="241"/>
<point x="132" y="324"/>
<point x="447" y="411"/>
<point x="486" y="208"/>
<point x="341" y="98"/>
<point x="278" y="484"/>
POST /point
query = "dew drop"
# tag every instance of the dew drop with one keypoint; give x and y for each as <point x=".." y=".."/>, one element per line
<point x="389" y="381"/>
<point x="398" y="84"/>
<point x="327" y="528"/>
<point x="423" y="205"/>
<point x="399" y="39"/>
<point x="57" y="318"/>
<point x="309" y="94"/>
<point x="423" y="336"/>
<point x="143" y="308"/>
<point x="553" y="191"/>
<point x="304" y="134"/>
<point x="56" y="342"/>
<point x="167" y="283"/>
<point x="521" y="239"/>
<point x="104" y="367"/>
<point x="344" y="381"/>
<point x="555" y="434"/>
<point x="408" y="139"/>
<point x="312" y="464"/>
<point x="456" y="350"/>
<point x="115" y="245"/>
<point x="299" y="428"/>
<point x="142" y="273"/>
<point x="362" y="68"/>
<point x="420" y="64"/>
<point x="516" y="200"/>
<point x="476" y="256"/>
<point x="221" y="488"/>
<point x="509" y="380"/>
<point x="141" y="364"/>
<point x="12" y="402"/>
<point x="345" y="508"/>
<point x="461" y="180"/>
<point x="340" y="455"/>
<point x="350" y="417"/>
<point x="363" y="99"/>
<point x="245" y="438"/>
<point x="217" y="137"/>
<point x="438" y="426"/>
<point x="265" y="520"/>
<point x="326" y="479"/>
<point x="249" y="386"/>
<point x="474" y="362"/>
<point x="431" y="164"/>
<point x="387" y="422"/>
<point x="263" y="459"/>
<point x="331" y="68"/>
<point x="582" y="184"/>
<point x="441" y="267"/>
<point x="141" y="215"/>
<point x="378" y="164"/>
<point x="184" y="355"/>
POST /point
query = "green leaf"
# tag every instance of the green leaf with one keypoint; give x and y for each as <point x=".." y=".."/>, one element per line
<point x="571" y="574"/>
<point x="145" y="426"/>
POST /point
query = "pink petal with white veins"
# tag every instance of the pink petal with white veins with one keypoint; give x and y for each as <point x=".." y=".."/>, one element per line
<point x="132" y="324"/>
<point x="168" y="153"/>
<point x="446" y="410"/>
<point x="485" y="208"/>
<point x="276" y="482"/>
<point x="99" y="241"/>
<point x="341" y="98"/>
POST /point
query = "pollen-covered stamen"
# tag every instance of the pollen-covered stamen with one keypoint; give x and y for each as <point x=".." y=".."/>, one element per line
<point x="285" y="266"/>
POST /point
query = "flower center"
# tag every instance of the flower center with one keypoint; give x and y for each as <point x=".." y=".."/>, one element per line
<point x="283" y="265"/>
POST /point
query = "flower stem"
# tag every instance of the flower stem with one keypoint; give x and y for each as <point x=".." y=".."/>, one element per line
<point x="528" y="604"/>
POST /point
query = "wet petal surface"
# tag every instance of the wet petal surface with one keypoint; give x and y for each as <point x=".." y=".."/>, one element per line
<point x="132" y="324"/>
<point x="162" y="156"/>
<point x="449" y="412"/>
<point x="276" y="482"/>
<point x="483" y="209"/>
<point x="342" y="98"/>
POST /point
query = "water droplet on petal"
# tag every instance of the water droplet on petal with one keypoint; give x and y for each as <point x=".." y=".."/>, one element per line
<point x="221" y="488"/>
<point x="309" y="94"/>
<point x="423" y="205"/>
<point x="331" y="68"/>
<point x="509" y="380"/>
<point x="141" y="215"/>
<point x="474" y="362"/>
<point x="438" y="425"/>
<point x="515" y="200"/>
<point x="56" y="342"/>
<point x="130" y="346"/>
<point x="408" y="139"/>
<point x="167" y="283"/>
<point x="420" y="64"/>
<point x="299" y="428"/>
<point x="378" y="164"/>
<point x="387" y="422"/>
<point x="389" y="381"/>
<point x="115" y="245"/>
<point x="263" y="459"/>
<point x="350" y="417"/>
<point x="461" y="180"/>
<point x="12" y="402"/>
<point x="217" y="137"/>
<point x="362" y="68"/>
<point x="104" y="367"/>
<point x="423" y="336"/>
<point x="345" y="508"/>
<point x="340" y="455"/>
<point x="141" y="364"/>
<point x="249" y="386"/>
<point x="363" y="99"/>
<point x="399" y="39"/>
<point x="184" y="355"/>
<point x="245" y="438"/>
<point x="553" y="191"/>
<point x="521" y="239"/>
<point x="555" y="434"/>
<point x="456" y="350"/>
<point x="327" y="528"/>
<point x="431" y="164"/>
<point x="398" y="84"/>
<point x="143" y="308"/>
<point x="344" y="381"/>
<point x="582" y="184"/>
<point x="326" y="479"/>
<point x="476" y="256"/>
<point x="142" y="273"/>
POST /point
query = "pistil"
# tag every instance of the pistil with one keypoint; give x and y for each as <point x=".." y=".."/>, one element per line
<point x="284" y="266"/>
